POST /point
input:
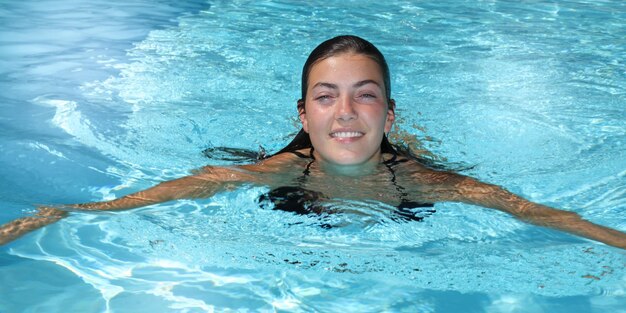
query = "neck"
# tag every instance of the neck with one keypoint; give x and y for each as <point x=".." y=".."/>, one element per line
<point x="353" y="170"/>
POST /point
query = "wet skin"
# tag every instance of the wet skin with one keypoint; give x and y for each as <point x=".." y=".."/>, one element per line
<point x="423" y="185"/>
<point x="345" y="114"/>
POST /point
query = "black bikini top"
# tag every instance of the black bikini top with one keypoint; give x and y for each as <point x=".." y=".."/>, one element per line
<point x="300" y="200"/>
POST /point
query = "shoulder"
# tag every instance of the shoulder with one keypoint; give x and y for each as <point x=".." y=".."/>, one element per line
<point x="424" y="175"/>
<point x="275" y="163"/>
<point x="223" y="173"/>
<point x="256" y="172"/>
<point x="286" y="158"/>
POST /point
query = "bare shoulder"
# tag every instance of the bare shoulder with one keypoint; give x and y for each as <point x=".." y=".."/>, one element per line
<point x="251" y="172"/>
<point x="285" y="158"/>
<point x="421" y="174"/>
<point x="440" y="185"/>
<point x="458" y="186"/>
<point x="221" y="174"/>
<point x="280" y="162"/>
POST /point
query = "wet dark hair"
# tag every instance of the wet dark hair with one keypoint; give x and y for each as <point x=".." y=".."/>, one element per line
<point x="332" y="47"/>
<point x="345" y="44"/>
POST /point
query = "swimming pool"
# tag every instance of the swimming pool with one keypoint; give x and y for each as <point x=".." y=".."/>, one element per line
<point x="102" y="99"/>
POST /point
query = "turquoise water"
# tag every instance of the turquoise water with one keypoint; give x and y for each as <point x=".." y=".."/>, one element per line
<point x="101" y="99"/>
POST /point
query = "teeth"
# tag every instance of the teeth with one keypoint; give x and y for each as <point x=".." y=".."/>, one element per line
<point x="346" y="134"/>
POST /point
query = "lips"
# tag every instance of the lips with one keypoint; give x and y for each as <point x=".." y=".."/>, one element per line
<point x="346" y="134"/>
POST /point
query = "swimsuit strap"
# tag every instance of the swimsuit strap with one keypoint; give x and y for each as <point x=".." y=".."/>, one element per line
<point x="391" y="161"/>
<point x="300" y="155"/>
<point x="394" y="161"/>
<point x="389" y="164"/>
<point x="307" y="169"/>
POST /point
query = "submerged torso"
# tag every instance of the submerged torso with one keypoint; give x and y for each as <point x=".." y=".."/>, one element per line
<point x="298" y="184"/>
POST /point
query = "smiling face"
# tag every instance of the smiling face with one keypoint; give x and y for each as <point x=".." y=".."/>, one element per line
<point x="346" y="111"/>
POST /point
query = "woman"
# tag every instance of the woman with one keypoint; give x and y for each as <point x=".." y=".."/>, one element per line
<point x="341" y="152"/>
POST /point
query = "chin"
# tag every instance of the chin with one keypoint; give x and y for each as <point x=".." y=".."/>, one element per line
<point x="349" y="160"/>
<point x="340" y="156"/>
<point x="347" y="163"/>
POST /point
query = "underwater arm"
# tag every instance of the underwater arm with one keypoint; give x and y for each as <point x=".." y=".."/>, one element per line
<point x="205" y="183"/>
<point x="15" y="229"/>
<point x="474" y="192"/>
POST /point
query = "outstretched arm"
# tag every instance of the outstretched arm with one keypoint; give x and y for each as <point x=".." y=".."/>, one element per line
<point x="12" y="230"/>
<point x="204" y="184"/>
<point x="474" y="192"/>
<point x="446" y="186"/>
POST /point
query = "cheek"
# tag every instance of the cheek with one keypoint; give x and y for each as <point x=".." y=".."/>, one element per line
<point x="314" y="120"/>
<point x="378" y="117"/>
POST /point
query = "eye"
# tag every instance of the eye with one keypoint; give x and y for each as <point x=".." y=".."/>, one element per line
<point x="367" y="96"/>
<point x="323" y="98"/>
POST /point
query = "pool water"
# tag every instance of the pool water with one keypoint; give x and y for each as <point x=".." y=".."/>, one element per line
<point x="104" y="98"/>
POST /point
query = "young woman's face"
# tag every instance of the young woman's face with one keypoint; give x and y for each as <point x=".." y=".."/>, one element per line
<point x="346" y="112"/>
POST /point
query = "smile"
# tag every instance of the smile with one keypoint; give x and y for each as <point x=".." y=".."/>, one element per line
<point x="346" y="134"/>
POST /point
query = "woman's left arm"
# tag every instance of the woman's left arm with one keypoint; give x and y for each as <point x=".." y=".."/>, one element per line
<point x="468" y="190"/>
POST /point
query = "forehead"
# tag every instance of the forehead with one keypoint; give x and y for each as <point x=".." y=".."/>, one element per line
<point x="346" y="66"/>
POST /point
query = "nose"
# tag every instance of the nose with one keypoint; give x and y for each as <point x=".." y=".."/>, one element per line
<point x="345" y="109"/>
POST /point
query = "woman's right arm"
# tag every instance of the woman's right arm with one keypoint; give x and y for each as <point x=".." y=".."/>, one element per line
<point x="205" y="183"/>
<point x="16" y="228"/>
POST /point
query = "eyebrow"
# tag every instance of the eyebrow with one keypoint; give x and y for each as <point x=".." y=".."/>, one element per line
<point x="367" y="81"/>
<point x="356" y="85"/>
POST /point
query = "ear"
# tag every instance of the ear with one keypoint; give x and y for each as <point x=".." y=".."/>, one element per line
<point x="302" y="116"/>
<point x="391" y="115"/>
